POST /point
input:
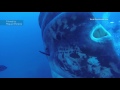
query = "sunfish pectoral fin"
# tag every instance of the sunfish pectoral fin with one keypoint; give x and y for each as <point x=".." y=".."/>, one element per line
<point x="2" y="68"/>
<point x="44" y="53"/>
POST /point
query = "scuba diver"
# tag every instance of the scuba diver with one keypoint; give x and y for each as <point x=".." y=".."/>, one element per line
<point x="77" y="46"/>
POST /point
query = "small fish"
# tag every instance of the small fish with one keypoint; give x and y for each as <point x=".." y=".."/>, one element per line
<point x="2" y="68"/>
<point x="45" y="53"/>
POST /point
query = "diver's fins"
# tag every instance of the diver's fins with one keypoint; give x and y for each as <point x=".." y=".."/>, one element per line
<point x="45" y="53"/>
<point x="2" y="68"/>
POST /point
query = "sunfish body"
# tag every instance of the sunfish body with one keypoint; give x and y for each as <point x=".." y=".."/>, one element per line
<point x="78" y="46"/>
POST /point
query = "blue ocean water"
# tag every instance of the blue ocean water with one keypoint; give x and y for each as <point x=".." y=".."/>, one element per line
<point x="20" y="45"/>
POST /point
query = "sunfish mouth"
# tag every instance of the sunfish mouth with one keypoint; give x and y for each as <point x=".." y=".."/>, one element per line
<point x="99" y="33"/>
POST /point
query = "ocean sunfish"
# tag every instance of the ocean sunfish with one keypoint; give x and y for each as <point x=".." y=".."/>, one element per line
<point x="78" y="46"/>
